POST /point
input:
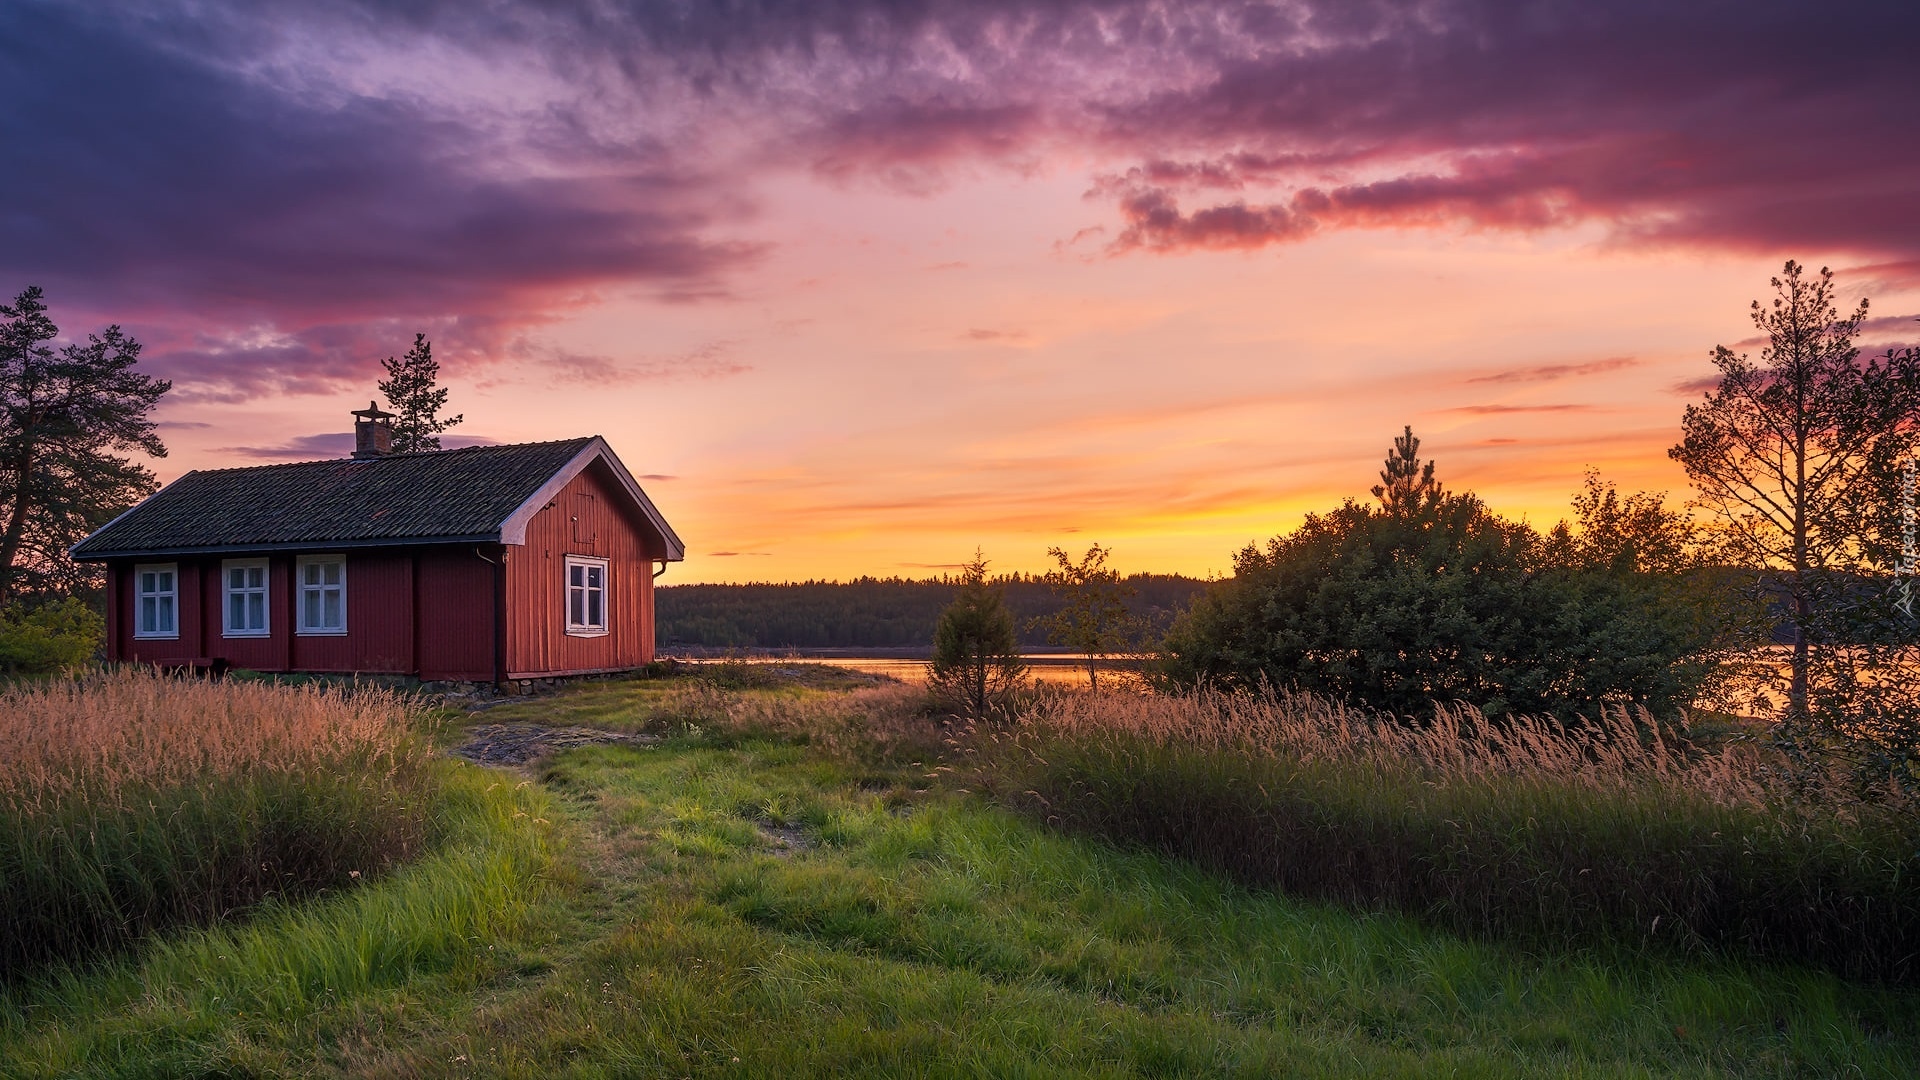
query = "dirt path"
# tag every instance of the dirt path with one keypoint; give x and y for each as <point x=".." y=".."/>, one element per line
<point x="519" y="743"/>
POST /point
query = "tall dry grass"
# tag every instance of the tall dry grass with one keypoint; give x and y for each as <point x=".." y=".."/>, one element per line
<point x="131" y="801"/>
<point x="1621" y="831"/>
<point x="886" y="724"/>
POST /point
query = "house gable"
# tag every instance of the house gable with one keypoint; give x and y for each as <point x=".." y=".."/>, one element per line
<point x="514" y="529"/>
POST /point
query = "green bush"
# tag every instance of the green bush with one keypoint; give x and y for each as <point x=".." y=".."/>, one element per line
<point x="1448" y="603"/>
<point x="976" y="664"/>
<point x="54" y="637"/>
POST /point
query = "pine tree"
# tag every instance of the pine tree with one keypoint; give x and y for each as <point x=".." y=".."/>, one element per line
<point x="412" y="392"/>
<point x="66" y="415"/>
<point x="1407" y="488"/>
<point x="976" y="659"/>
<point x="1798" y="460"/>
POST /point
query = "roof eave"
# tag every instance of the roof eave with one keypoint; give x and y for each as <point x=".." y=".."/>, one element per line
<point x="289" y="545"/>
<point x="73" y="552"/>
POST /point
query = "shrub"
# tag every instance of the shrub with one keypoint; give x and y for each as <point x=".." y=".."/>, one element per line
<point x="1616" y="832"/>
<point x="131" y="802"/>
<point x="976" y="663"/>
<point x="54" y="637"/>
<point x="1397" y="610"/>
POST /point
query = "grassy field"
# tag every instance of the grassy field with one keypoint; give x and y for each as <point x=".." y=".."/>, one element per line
<point x="730" y="902"/>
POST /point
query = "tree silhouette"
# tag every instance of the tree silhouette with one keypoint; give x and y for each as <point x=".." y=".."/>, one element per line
<point x="65" y="415"/>
<point x="1094" y="619"/>
<point x="1407" y="488"/>
<point x="412" y="392"/>
<point x="1797" y="460"/>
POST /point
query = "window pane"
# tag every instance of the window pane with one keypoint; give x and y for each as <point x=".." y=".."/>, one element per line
<point x="237" y="577"/>
<point x="310" y="573"/>
<point x="164" y="622"/>
<point x="310" y="608"/>
<point x="165" y="577"/>
<point x="594" y="617"/>
<point x="237" y="611"/>
<point x="331" y="572"/>
<point x="149" y="614"/>
<point x="256" y="577"/>
<point x="594" y="576"/>
<point x="331" y="607"/>
<point x="257" y="611"/>
<point x="146" y="582"/>
<point x="575" y="577"/>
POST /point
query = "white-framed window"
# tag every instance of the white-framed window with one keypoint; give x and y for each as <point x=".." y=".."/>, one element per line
<point x="156" y="600"/>
<point x="244" y="589"/>
<point x="323" y="593"/>
<point x="586" y="596"/>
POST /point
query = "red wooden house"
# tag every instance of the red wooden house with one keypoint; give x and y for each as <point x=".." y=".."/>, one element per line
<point x="484" y="564"/>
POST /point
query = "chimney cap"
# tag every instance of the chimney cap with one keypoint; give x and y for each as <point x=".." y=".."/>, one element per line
<point x="373" y="412"/>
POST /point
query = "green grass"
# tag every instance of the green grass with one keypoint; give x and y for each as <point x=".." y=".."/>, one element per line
<point x="907" y="929"/>
<point x="256" y="998"/>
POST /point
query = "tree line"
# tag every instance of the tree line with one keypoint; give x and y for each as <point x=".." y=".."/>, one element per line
<point x="873" y="612"/>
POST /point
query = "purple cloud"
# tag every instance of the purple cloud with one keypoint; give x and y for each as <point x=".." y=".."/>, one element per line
<point x="272" y="217"/>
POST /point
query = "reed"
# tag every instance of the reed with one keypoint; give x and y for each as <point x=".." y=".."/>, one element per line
<point x="131" y="802"/>
<point x="1618" y="832"/>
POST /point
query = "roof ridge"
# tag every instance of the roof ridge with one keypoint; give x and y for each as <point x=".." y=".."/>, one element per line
<point x="387" y="457"/>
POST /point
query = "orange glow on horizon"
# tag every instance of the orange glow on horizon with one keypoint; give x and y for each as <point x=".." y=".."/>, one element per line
<point x="905" y="378"/>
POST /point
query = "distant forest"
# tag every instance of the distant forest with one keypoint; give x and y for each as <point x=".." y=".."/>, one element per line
<point x="872" y="612"/>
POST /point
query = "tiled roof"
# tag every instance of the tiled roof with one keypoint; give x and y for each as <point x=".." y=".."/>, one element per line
<point x="446" y="495"/>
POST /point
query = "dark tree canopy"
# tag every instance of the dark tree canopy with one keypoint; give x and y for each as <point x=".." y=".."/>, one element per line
<point x="413" y="392"/>
<point x="878" y="612"/>
<point x="1434" y="599"/>
<point x="66" y="414"/>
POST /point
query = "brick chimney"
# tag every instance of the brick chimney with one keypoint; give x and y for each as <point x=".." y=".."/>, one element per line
<point x="372" y="432"/>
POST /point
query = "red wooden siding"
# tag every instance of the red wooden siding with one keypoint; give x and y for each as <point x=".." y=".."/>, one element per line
<point x="586" y="518"/>
<point x="459" y="622"/>
<point x="452" y="639"/>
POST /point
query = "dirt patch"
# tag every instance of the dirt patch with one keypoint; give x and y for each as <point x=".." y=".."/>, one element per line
<point x="785" y="840"/>
<point x="518" y="744"/>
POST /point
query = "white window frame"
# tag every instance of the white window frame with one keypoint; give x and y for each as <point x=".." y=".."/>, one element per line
<point x="172" y="596"/>
<point x="586" y="629"/>
<point x="264" y="591"/>
<point x="302" y="589"/>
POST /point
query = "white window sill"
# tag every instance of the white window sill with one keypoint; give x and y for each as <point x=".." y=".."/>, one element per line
<point x="321" y="633"/>
<point x="175" y="636"/>
<point x="246" y="633"/>
<point x="576" y="631"/>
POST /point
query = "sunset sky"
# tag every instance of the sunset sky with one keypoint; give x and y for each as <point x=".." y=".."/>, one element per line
<point x="857" y="286"/>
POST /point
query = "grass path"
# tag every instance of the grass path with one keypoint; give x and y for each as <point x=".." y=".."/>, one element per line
<point x="759" y="911"/>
